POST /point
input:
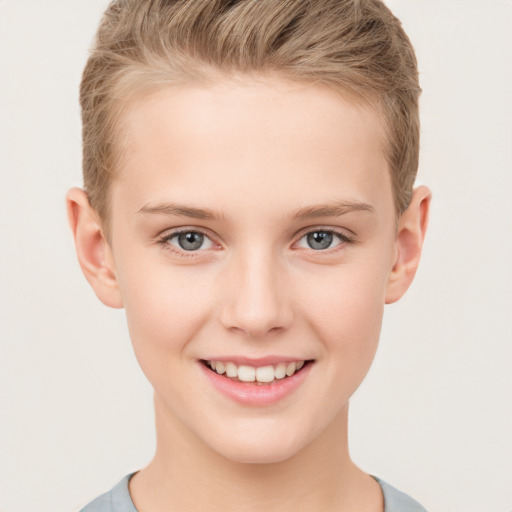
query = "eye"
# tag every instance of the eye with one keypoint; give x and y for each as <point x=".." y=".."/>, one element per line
<point x="322" y="239"/>
<point x="189" y="241"/>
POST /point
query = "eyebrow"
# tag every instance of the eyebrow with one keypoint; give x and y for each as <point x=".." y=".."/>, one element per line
<point x="331" y="210"/>
<point x="179" y="210"/>
<point x="308" y="212"/>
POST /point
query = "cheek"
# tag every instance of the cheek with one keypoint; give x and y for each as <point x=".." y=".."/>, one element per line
<point x="351" y="321"/>
<point x="164" y="309"/>
<point x="346" y="314"/>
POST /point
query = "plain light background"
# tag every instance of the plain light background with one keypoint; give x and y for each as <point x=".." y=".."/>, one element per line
<point x="434" y="415"/>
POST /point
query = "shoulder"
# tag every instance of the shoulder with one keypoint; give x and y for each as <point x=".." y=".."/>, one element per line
<point x="116" y="500"/>
<point x="397" y="501"/>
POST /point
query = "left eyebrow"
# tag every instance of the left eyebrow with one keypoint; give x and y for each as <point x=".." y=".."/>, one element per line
<point x="331" y="210"/>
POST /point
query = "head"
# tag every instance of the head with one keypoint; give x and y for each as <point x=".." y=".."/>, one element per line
<point x="248" y="170"/>
<point x="357" y="48"/>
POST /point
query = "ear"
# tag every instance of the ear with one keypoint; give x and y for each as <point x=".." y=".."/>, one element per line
<point x="93" y="251"/>
<point x="412" y="226"/>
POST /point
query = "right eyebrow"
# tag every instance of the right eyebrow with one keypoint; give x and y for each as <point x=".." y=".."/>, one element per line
<point x="179" y="210"/>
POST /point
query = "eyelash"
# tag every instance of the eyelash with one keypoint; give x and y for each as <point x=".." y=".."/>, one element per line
<point x="164" y="240"/>
<point x="344" y="238"/>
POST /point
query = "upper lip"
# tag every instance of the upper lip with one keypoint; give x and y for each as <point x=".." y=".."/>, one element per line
<point x="256" y="361"/>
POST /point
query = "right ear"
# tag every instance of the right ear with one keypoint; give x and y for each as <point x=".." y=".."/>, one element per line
<point x="93" y="250"/>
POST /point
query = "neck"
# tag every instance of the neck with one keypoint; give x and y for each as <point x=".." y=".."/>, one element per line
<point x="186" y="474"/>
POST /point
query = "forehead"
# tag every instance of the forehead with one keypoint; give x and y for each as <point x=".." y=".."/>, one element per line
<point x="240" y="143"/>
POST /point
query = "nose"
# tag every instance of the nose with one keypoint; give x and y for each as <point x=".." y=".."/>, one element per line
<point x="256" y="299"/>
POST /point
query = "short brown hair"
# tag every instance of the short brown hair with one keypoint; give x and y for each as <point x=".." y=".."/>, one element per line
<point x="354" y="46"/>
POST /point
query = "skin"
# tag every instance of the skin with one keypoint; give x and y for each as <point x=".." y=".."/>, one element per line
<point x="259" y="158"/>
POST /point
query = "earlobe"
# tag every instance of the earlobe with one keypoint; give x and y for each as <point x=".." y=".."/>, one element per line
<point x="93" y="251"/>
<point x="412" y="226"/>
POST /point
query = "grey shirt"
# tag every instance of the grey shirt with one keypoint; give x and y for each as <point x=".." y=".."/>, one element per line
<point x="119" y="500"/>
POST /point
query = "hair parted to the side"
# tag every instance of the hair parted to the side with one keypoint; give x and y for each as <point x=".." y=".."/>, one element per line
<point x="354" y="46"/>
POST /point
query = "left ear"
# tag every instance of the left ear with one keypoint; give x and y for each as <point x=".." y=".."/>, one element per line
<point x="412" y="226"/>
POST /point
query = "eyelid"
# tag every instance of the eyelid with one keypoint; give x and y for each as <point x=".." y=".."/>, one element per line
<point x="164" y="237"/>
<point x="168" y="233"/>
<point x="345" y="239"/>
<point x="341" y="232"/>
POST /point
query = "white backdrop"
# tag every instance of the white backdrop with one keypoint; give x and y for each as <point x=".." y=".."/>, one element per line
<point x="434" y="415"/>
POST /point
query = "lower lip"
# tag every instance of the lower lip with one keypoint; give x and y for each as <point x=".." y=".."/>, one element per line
<point x="253" y="394"/>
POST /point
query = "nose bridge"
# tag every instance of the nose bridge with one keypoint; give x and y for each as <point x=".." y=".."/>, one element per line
<point x="257" y="301"/>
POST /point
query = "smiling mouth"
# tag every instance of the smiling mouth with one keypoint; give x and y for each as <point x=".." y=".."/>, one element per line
<point x="261" y="375"/>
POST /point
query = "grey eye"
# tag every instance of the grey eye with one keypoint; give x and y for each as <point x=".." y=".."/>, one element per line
<point x="190" y="241"/>
<point x="320" y="240"/>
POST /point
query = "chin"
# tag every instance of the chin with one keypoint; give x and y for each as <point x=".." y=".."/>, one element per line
<point x="257" y="455"/>
<point x="257" y="446"/>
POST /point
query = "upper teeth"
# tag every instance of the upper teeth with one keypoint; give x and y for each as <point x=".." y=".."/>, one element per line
<point x="260" y="374"/>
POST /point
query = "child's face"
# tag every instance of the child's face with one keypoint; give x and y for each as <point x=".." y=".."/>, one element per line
<point x="285" y="193"/>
